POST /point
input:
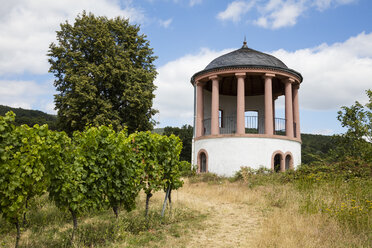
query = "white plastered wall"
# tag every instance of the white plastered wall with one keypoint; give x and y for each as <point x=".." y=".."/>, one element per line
<point x="227" y="154"/>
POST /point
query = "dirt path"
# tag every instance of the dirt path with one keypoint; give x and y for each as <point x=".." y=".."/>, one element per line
<point x="266" y="216"/>
<point x="232" y="218"/>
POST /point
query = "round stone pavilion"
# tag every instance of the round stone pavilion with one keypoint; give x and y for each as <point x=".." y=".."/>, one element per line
<point x="235" y="123"/>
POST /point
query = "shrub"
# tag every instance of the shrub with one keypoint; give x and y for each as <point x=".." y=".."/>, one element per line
<point x="245" y="173"/>
<point x="346" y="170"/>
<point x="208" y="177"/>
<point x="187" y="169"/>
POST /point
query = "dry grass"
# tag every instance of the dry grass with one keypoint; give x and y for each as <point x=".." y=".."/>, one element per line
<point x="225" y="214"/>
<point x="232" y="218"/>
<point x="286" y="226"/>
<point x="265" y="216"/>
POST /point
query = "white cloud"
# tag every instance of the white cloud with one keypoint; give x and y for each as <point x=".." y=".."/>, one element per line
<point x="195" y="2"/>
<point x="28" y="27"/>
<point x="191" y="3"/>
<point x="48" y="107"/>
<point x="262" y="22"/>
<point x="325" y="4"/>
<point x="175" y="94"/>
<point x="165" y="23"/>
<point x="322" y="4"/>
<point x="334" y="75"/>
<point x="275" y="14"/>
<point x="235" y="10"/>
<point x="286" y="15"/>
<point x="27" y="94"/>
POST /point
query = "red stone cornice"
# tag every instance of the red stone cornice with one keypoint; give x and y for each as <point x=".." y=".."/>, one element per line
<point x="248" y="135"/>
<point x="205" y="76"/>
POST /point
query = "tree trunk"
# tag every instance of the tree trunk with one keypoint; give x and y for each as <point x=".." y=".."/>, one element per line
<point x="74" y="220"/>
<point x="24" y="214"/>
<point x="165" y="201"/>
<point x="24" y="219"/>
<point x="18" y="234"/>
<point x="148" y="196"/>
<point x="170" y="201"/>
<point x="116" y="212"/>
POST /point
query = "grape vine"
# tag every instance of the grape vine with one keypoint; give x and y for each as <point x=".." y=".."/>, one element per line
<point x="97" y="168"/>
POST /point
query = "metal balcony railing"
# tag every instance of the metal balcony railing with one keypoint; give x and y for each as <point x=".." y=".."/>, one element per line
<point x="279" y="126"/>
<point x="253" y="124"/>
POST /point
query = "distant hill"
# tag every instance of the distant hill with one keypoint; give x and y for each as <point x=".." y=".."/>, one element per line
<point x="158" y="130"/>
<point x="315" y="147"/>
<point x="31" y="117"/>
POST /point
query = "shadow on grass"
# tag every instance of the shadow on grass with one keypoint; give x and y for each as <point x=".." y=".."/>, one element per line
<point x="49" y="227"/>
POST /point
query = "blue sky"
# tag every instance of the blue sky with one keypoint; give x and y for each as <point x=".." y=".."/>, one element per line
<point x="328" y="41"/>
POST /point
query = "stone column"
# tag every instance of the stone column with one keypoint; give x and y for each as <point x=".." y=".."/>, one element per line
<point x="240" y="103"/>
<point x="268" y="104"/>
<point x="199" y="109"/>
<point x="296" y="110"/>
<point x="215" y="129"/>
<point x="282" y="163"/>
<point x="288" y="108"/>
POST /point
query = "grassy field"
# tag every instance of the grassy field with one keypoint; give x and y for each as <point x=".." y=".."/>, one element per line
<point x="310" y="208"/>
<point x="311" y="211"/>
<point x="49" y="227"/>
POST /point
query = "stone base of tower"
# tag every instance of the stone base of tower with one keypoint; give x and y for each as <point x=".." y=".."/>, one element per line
<point x="225" y="155"/>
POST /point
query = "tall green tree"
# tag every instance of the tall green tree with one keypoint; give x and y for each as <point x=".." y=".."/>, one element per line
<point x="185" y="134"/>
<point x="104" y="74"/>
<point x="357" y="141"/>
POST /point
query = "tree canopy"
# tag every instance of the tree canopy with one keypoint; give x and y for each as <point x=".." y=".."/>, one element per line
<point x="104" y="74"/>
<point x="185" y="134"/>
<point x="315" y="147"/>
<point x="357" y="141"/>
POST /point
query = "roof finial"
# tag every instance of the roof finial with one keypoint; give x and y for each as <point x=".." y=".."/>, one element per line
<point x="245" y="42"/>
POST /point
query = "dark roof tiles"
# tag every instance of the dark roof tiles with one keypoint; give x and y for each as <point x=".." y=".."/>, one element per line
<point x="245" y="56"/>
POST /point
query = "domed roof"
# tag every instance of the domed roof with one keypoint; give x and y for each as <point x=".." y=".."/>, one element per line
<point x="247" y="57"/>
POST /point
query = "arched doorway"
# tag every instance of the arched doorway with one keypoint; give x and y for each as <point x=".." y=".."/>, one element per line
<point x="202" y="161"/>
<point x="277" y="162"/>
<point x="288" y="162"/>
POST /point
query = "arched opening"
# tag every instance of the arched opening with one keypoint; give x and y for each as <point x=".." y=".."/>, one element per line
<point x="277" y="162"/>
<point x="288" y="162"/>
<point x="202" y="161"/>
